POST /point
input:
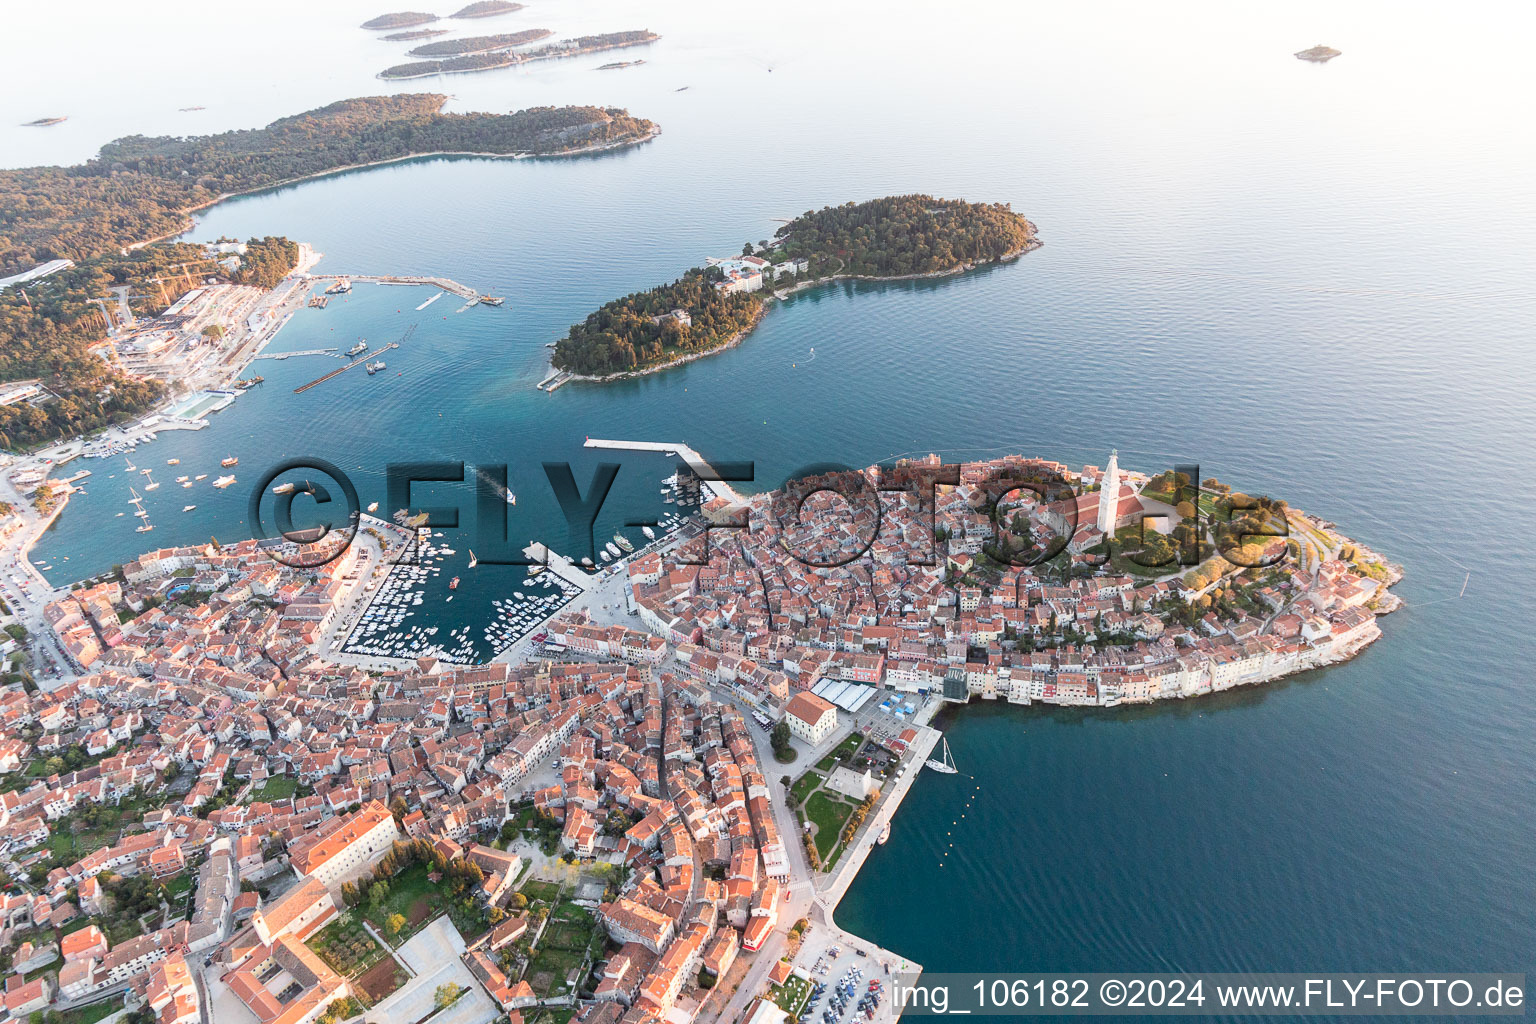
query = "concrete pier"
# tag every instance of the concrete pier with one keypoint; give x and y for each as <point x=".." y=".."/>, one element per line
<point x="695" y="461"/>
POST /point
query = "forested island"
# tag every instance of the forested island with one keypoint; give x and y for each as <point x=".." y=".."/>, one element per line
<point x="48" y="327"/>
<point x="399" y="19"/>
<point x="479" y="44"/>
<point x="710" y="308"/>
<point x="505" y="58"/>
<point x="486" y="9"/>
<point x="139" y="188"/>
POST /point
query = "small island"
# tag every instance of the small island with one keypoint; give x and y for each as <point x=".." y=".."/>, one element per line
<point x="1318" y="54"/>
<point x="479" y="44"/>
<point x="620" y="64"/>
<point x="399" y="19"/>
<point x="44" y="122"/>
<point x="713" y="307"/>
<point x="501" y="56"/>
<point x="414" y="34"/>
<point x="486" y="9"/>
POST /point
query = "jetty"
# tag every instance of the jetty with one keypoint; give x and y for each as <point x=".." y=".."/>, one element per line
<point x="290" y="355"/>
<point x="360" y="359"/>
<point x="436" y="282"/>
<point x="696" y="462"/>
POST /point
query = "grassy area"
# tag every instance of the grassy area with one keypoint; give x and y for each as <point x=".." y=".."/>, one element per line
<point x="804" y="785"/>
<point x="345" y="946"/>
<point x="541" y="890"/>
<point x="791" y="995"/>
<point x="847" y="748"/>
<point x="87" y="1014"/>
<point x="276" y="787"/>
<point x="177" y="887"/>
<point x="829" y="813"/>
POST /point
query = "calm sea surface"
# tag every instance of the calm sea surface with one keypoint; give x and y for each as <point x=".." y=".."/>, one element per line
<point x="1316" y="281"/>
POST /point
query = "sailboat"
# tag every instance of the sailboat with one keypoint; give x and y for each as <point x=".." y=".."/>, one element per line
<point x="473" y="561"/>
<point x="946" y="764"/>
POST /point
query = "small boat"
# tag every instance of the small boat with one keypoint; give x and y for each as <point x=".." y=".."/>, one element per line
<point x="201" y="476"/>
<point x="187" y="483"/>
<point x="188" y="508"/>
<point x="224" y="481"/>
<point x="173" y="462"/>
<point x="453" y="584"/>
<point x="492" y="300"/>
<point x="183" y="479"/>
<point x="373" y="506"/>
<point x="511" y="498"/>
<point x="623" y="542"/>
<point x="283" y="488"/>
<point x="946" y="763"/>
<point x="532" y="571"/>
<point x="374" y="368"/>
<point x="231" y="461"/>
<point x="613" y="552"/>
<point x="606" y="556"/>
<point x="650" y="534"/>
<point x="145" y="528"/>
<point x="361" y="346"/>
<point x="473" y="561"/>
<point x="586" y="561"/>
<point x="885" y="834"/>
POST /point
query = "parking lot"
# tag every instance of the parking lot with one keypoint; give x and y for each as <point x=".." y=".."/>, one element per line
<point x="834" y="964"/>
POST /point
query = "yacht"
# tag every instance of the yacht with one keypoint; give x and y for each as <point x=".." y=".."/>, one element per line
<point x="224" y="481"/>
<point x="188" y="508"/>
<point x="361" y="346"/>
<point x="944" y="763"/>
<point x="231" y="461"/>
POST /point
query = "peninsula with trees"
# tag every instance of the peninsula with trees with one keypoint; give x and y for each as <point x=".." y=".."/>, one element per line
<point x="139" y="188"/>
<point x="82" y="233"/>
<point x="712" y="307"/>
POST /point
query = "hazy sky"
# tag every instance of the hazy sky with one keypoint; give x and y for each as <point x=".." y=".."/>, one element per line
<point x="1456" y="76"/>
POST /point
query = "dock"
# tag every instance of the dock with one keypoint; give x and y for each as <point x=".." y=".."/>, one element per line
<point x="696" y="462"/>
<point x="554" y="380"/>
